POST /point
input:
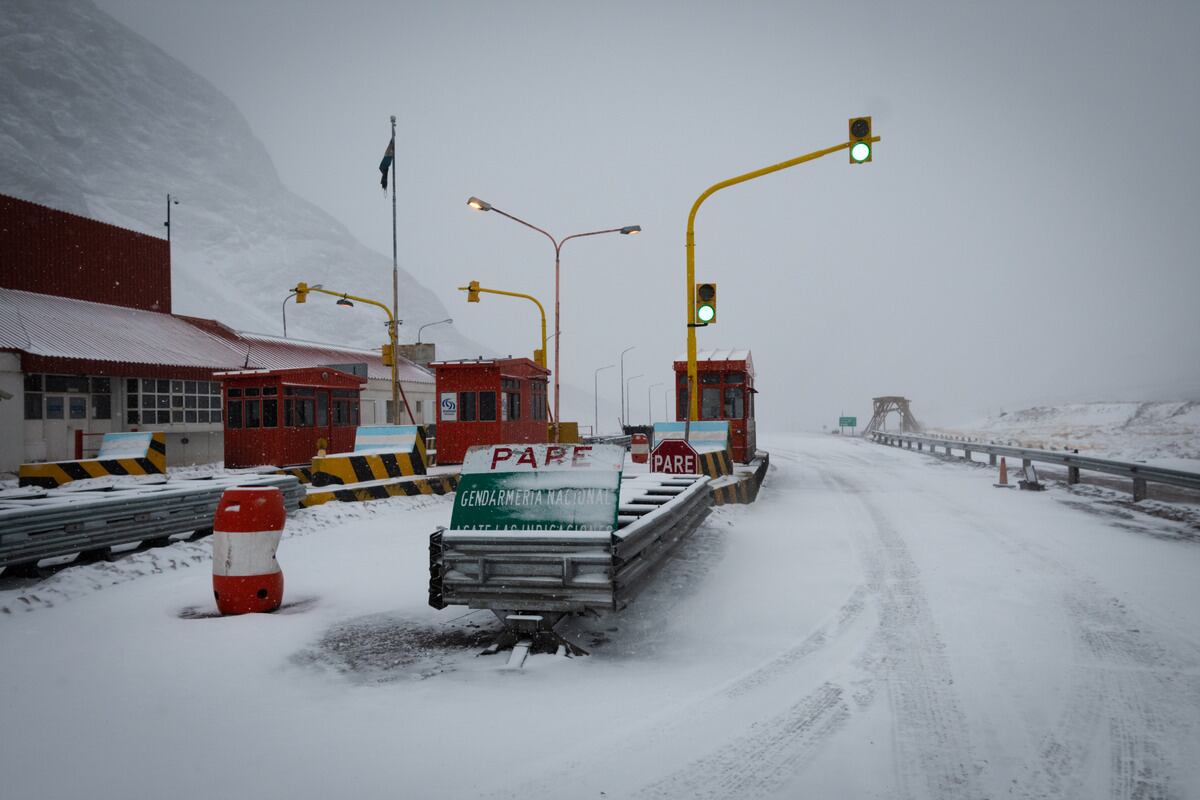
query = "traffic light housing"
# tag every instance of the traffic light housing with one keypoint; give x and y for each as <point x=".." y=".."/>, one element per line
<point x="301" y="292"/>
<point x="388" y="356"/>
<point x="860" y="138"/>
<point x="706" y="303"/>
<point x="473" y="292"/>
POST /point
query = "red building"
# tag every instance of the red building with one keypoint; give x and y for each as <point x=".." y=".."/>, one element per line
<point x="285" y="416"/>
<point x="726" y="392"/>
<point x="488" y="401"/>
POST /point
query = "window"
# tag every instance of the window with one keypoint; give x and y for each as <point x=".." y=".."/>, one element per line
<point x="681" y="401"/>
<point x="487" y="406"/>
<point x="466" y="406"/>
<point x="33" y="383"/>
<point x="66" y="383"/>
<point x="101" y="386"/>
<point x="419" y="411"/>
<point x="710" y="402"/>
<point x="253" y="414"/>
<point x="270" y="417"/>
<point x="514" y="406"/>
<point x="298" y="412"/>
<point x="54" y="407"/>
<point x="710" y="377"/>
<point x="101" y="406"/>
<point x="33" y="403"/>
<point x="322" y="409"/>
<point x="537" y="400"/>
<point x="161" y="402"/>
<point x="235" y="414"/>
<point x="735" y="377"/>
<point x="734" y="405"/>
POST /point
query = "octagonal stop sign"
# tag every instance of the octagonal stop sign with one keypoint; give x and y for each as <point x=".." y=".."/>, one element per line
<point x="675" y="456"/>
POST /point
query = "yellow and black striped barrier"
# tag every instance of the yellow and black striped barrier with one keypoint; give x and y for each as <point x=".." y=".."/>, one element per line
<point x="302" y="474"/>
<point x="745" y="488"/>
<point x="716" y="463"/>
<point x="134" y="453"/>
<point x="407" y="487"/>
<point x="377" y="463"/>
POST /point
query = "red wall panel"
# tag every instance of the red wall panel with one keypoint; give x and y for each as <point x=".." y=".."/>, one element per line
<point x="52" y="252"/>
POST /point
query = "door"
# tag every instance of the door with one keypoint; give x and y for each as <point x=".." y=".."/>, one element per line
<point x="64" y="414"/>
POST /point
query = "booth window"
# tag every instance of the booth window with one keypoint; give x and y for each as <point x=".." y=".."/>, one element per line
<point x="234" y="418"/>
<point x="735" y="377"/>
<point x="487" y="406"/>
<point x="710" y="377"/>
<point x="734" y="402"/>
<point x="710" y="402"/>
<point x="253" y="416"/>
<point x="270" y="413"/>
<point x="466" y="406"/>
<point x="298" y="412"/>
<point x="514" y="406"/>
<point x="322" y="409"/>
<point x="537" y="398"/>
<point x="681" y="397"/>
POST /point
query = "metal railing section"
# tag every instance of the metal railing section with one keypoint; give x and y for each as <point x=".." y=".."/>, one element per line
<point x="1140" y="474"/>
<point x="43" y="523"/>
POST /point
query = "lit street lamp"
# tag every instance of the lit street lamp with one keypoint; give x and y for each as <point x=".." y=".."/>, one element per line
<point x="428" y="324"/>
<point x="481" y="205"/>
<point x="596" y="399"/>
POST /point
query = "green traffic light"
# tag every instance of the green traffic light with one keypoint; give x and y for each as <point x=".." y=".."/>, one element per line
<point x="860" y="152"/>
<point x="705" y="313"/>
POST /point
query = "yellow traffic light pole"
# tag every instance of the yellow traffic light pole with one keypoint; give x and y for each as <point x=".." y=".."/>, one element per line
<point x="693" y="395"/>
<point x="302" y="290"/>
<point x="473" y="291"/>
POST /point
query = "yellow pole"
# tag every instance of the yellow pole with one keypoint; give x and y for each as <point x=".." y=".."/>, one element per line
<point x="391" y="337"/>
<point x="541" y="362"/>
<point x="692" y="380"/>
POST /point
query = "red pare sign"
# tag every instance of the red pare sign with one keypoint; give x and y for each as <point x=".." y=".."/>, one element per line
<point x="675" y="457"/>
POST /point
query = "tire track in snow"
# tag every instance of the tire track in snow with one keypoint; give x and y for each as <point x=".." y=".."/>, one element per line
<point x="907" y="656"/>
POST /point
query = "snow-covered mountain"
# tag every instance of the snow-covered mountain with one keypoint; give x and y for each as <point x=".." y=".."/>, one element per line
<point x="98" y="121"/>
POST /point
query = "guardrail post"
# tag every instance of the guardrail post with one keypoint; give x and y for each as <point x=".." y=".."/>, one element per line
<point x="991" y="459"/>
<point x="966" y="454"/>
<point x="1072" y="476"/>
<point x="1025" y="462"/>
<point x="1139" y="489"/>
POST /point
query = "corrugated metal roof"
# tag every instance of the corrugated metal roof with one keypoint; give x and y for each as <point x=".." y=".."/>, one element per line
<point x="62" y="327"/>
<point x="273" y="352"/>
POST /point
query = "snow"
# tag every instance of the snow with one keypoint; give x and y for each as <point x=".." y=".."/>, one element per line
<point x="877" y="624"/>
<point x="1160" y="433"/>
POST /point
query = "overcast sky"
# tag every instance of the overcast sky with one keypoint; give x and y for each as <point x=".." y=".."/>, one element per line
<point x="1026" y="233"/>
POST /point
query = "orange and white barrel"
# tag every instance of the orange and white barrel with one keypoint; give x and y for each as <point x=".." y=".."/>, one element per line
<point x="246" y="532"/>
<point x="639" y="448"/>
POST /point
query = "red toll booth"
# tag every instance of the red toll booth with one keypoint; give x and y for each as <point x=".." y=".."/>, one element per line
<point x="284" y="416"/>
<point x="489" y="401"/>
<point x="726" y="392"/>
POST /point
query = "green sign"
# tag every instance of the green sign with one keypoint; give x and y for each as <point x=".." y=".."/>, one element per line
<point x="847" y="422"/>
<point x="548" y="487"/>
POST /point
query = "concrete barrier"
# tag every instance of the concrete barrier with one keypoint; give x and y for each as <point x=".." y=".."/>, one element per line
<point x="134" y="453"/>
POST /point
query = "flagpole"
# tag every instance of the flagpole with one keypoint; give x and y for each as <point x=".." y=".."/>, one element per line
<point x="395" y="333"/>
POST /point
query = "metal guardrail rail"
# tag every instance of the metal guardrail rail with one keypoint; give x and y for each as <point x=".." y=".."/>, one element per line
<point x="43" y="523"/>
<point x="1140" y="474"/>
<point x="559" y="572"/>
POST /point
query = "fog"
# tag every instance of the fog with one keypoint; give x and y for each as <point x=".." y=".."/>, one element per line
<point x="1026" y="232"/>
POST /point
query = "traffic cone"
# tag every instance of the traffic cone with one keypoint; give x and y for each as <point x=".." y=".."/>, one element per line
<point x="1003" y="484"/>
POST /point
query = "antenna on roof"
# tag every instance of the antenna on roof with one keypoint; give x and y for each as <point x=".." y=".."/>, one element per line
<point x="247" y="364"/>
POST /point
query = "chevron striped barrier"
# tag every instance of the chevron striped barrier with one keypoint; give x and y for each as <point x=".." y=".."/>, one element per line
<point x="402" y="487"/>
<point x="743" y="485"/>
<point x="716" y="463"/>
<point x="380" y="452"/>
<point x="137" y="453"/>
<point x="302" y="474"/>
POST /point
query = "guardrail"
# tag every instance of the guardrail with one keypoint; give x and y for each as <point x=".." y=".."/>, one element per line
<point x="1140" y="474"/>
<point x="623" y="441"/>
<point x="40" y="523"/>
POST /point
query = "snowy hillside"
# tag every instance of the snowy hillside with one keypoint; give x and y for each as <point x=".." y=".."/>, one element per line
<point x="1165" y="433"/>
<point x="97" y="121"/>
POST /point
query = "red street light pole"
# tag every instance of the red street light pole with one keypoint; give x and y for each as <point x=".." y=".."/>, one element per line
<point x="480" y="205"/>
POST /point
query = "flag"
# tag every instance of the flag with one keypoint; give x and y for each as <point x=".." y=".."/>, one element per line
<point x="386" y="164"/>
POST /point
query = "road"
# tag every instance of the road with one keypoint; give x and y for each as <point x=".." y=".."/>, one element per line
<point x="879" y="624"/>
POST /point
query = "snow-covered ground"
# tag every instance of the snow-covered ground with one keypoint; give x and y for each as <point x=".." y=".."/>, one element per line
<point x="878" y="624"/>
<point x="1166" y="434"/>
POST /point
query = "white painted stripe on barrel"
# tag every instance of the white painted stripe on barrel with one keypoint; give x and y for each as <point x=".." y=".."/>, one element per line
<point x="240" y="554"/>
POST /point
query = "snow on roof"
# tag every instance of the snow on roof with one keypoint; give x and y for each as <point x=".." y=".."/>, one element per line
<point x="48" y="325"/>
<point x="62" y="327"/>
<point x="273" y="352"/>
<point x="718" y="355"/>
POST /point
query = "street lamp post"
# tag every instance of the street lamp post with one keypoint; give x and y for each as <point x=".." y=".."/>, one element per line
<point x="649" y="413"/>
<point x="627" y="382"/>
<point x="473" y="290"/>
<point x="428" y="324"/>
<point x="623" y="352"/>
<point x="481" y="205"/>
<point x="596" y="398"/>
<point x="345" y="301"/>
